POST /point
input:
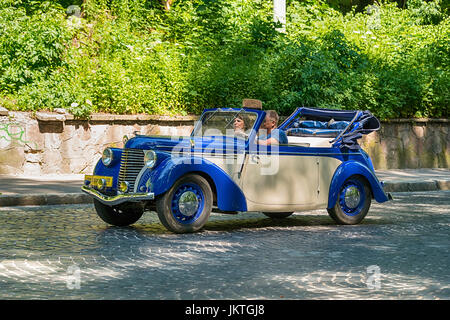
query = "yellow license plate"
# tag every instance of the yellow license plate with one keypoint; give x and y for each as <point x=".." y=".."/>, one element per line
<point x="95" y="179"/>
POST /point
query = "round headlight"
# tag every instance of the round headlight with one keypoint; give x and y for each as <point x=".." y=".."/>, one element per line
<point x="150" y="158"/>
<point x="107" y="156"/>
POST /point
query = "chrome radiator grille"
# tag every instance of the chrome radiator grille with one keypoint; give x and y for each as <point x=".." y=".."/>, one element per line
<point x="131" y="163"/>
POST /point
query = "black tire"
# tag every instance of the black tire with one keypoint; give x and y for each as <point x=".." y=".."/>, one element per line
<point x="278" y="215"/>
<point x="343" y="213"/>
<point x="121" y="215"/>
<point x="174" y="216"/>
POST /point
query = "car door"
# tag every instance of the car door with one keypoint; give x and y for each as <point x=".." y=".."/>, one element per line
<point x="280" y="178"/>
<point x="229" y="156"/>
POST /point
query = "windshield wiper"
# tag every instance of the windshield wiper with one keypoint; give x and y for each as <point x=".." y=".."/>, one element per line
<point x="212" y="115"/>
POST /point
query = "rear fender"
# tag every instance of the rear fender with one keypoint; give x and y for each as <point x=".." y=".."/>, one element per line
<point x="348" y="169"/>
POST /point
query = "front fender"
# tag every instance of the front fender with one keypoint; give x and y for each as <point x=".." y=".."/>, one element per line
<point x="348" y="169"/>
<point x="111" y="171"/>
<point x="229" y="196"/>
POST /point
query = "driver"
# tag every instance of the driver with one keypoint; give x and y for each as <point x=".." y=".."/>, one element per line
<point x="272" y="134"/>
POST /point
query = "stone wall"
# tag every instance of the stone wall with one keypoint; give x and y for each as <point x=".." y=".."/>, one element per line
<point x="56" y="143"/>
<point x="403" y="143"/>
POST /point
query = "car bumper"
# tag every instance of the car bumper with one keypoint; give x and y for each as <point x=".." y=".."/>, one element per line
<point x="118" y="199"/>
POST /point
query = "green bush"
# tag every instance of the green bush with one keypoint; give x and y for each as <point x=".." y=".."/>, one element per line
<point x="134" y="57"/>
<point x="424" y="13"/>
<point x="404" y="62"/>
<point x="31" y="47"/>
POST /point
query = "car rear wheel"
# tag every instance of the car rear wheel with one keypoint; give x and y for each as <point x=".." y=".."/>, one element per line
<point x="353" y="201"/>
<point x="187" y="206"/>
<point x="278" y="215"/>
<point x="120" y="215"/>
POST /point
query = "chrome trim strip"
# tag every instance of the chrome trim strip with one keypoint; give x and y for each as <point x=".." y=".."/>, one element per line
<point x="284" y="153"/>
<point x="121" y="198"/>
<point x="138" y="178"/>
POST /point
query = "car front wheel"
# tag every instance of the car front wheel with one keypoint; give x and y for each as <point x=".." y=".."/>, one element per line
<point x="353" y="202"/>
<point x="187" y="206"/>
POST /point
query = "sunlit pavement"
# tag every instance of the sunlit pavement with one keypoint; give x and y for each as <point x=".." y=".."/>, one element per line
<point x="400" y="251"/>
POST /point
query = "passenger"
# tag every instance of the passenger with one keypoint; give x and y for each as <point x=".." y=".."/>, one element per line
<point x="240" y="125"/>
<point x="270" y="134"/>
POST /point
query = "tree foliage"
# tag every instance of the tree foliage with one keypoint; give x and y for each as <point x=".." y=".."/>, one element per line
<point x="134" y="56"/>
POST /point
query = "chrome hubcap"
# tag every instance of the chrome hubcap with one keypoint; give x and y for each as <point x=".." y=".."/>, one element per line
<point x="188" y="203"/>
<point x="352" y="197"/>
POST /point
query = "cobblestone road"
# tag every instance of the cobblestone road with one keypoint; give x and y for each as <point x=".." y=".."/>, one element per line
<point x="400" y="251"/>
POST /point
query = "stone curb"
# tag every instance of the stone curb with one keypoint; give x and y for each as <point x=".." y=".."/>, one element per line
<point x="43" y="199"/>
<point x="414" y="186"/>
<point x="81" y="198"/>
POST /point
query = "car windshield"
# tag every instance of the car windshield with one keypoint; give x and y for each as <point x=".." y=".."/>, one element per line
<point x="234" y="123"/>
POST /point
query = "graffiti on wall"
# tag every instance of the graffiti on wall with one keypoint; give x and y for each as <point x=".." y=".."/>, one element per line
<point x="12" y="134"/>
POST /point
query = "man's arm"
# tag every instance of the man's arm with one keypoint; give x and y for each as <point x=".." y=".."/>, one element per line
<point x="268" y="142"/>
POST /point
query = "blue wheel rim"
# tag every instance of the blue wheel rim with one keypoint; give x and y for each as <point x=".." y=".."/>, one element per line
<point x="356" y="207"/>
<point x="177" y="209"/>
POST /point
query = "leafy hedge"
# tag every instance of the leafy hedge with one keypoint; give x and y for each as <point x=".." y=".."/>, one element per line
<point x="134" y="57"/>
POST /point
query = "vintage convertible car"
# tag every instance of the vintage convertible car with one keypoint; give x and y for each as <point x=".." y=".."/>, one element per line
<point x="218" y="169"/>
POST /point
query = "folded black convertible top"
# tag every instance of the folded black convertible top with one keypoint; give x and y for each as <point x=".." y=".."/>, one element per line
<point x="359" y="123"/>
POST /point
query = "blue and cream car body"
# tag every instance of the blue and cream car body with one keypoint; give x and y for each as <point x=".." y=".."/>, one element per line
<point x="184" y="178"/>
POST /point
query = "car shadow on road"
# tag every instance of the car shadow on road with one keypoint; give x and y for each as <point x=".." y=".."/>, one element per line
<point x="260" y="223"/>
<point x="290" y="222"/>
<point x="255" y="223"/>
